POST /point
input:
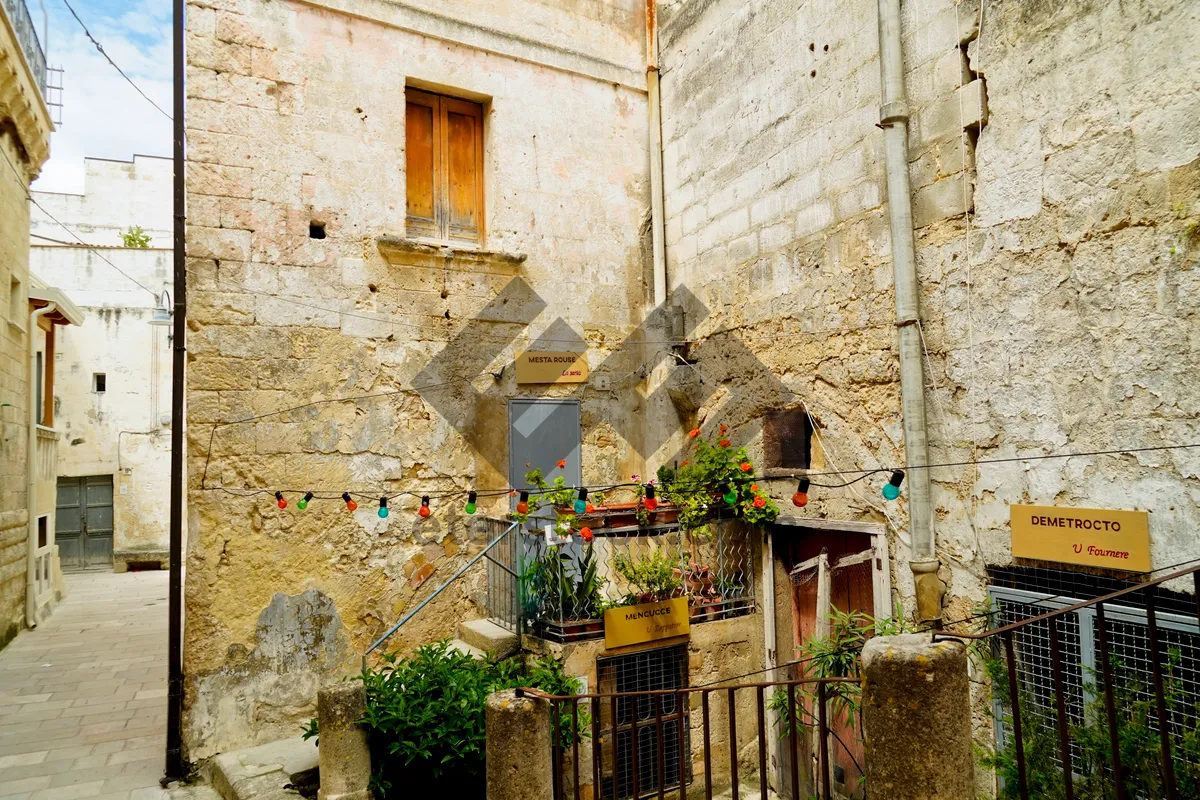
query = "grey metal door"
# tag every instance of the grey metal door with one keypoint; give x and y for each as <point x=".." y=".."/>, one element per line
<point x="540" y="434"/>
<point x="83" y="522"/>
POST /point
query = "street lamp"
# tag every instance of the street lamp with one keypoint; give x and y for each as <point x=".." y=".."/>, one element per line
<point x="162" y="313"/>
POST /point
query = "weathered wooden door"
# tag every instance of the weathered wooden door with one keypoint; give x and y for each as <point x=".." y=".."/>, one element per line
<point x="83" y="522"/>
<point x="844" y="573"/>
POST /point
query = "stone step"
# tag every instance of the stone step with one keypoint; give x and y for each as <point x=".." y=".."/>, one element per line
<point x="486" y="635"/>
<point x="463" y="647"/>
<point x="272" y="771"/>
<point x="197" y="792"/>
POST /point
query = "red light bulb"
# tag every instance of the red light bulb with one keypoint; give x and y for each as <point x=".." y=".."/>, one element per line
<point x="523" y="503"/>
<point x="800" y="498"/>
<point x="279" y="500"/>
<point x="424" y="511"/>
<point x="350" y="504"/>
<point x="651" y="500"/>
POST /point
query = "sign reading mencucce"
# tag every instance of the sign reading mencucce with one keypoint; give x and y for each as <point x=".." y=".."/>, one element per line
<point x="546" y="367"/>
<point x="646" y="622"/>
<point x="1097" y="537"/>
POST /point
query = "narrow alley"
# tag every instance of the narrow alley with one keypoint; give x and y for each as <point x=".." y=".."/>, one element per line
<point x="83" y="698"/>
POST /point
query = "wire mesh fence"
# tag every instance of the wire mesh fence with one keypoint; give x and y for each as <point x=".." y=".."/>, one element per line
<point x="1103" y="693"/>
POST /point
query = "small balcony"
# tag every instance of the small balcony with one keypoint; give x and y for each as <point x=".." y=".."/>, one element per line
<point x="560" y="591"/>
<point x="18" y="18"/>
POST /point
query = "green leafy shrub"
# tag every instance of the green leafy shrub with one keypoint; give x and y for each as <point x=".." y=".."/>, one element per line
<point x="425" y="716"/>
<point x="135" y="237"/>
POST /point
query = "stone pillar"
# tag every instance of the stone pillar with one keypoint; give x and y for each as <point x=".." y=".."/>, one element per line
<point x="345" y="757"/>
<point x="916" y="708"/>
<point x="519" y="762"/>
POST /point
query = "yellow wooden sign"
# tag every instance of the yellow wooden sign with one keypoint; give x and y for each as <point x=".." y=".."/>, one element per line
<point x="1097" y="537"/>
<point x="544" y="367"/>
<point x="647" y="622"/>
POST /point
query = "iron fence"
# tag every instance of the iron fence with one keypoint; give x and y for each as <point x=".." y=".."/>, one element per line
<point x="22" y="23"/>
<point x="633" y="745"/>
<point x="1106" y="690"/>
<point x="503" y="575"/>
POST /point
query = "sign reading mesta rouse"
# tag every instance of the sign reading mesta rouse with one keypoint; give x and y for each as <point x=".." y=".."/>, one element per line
<point x="545" y="367"/>
<point x="1097" y="537"/>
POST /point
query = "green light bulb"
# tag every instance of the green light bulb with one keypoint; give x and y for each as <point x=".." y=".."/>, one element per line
<point x="303" y="504"/>
<point x="470" y="507"/>
<point x="730" y="497"/>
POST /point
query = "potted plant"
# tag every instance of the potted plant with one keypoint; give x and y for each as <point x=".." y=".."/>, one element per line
<point x="565" y="593"/>
<point x="653" y="576"/>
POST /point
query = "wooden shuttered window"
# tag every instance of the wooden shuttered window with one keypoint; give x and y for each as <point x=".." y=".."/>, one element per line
<point x="444" y="164"/>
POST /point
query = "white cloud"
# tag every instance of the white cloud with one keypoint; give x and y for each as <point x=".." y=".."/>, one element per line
<point x="103" y="116"/>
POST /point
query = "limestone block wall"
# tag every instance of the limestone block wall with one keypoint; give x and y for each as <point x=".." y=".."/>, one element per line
<point x="14" y="392"/>
<point x="1059" y="315"/>
<point x="1068" y="320"/>
<point x="296" y="116"/>
<point x="117" y="195"/>
<point x="125" y="430"/>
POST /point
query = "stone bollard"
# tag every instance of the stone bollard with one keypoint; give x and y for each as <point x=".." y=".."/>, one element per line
<point x="916" y="710"/>
<point x="345" y="756"/>
<point x="519" y="762"/>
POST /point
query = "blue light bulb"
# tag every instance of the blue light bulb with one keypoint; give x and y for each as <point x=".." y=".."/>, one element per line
<point x="892" y="490"/>
<point x="580" y="506"/>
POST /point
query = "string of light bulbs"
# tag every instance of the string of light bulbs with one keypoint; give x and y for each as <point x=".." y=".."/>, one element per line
<point x="727" y="490"/>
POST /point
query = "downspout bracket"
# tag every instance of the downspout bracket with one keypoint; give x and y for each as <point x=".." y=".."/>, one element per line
<point x="893" y="112"/>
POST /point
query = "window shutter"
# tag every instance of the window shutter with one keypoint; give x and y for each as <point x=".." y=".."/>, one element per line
<point x="464" y="168"/>
<point x="444" y="167"/>
<point x="422" y="121"/>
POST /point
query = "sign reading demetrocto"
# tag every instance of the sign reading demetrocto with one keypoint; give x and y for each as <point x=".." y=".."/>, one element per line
<point x="647" y="622"/>
<point x="1097" y="537"/>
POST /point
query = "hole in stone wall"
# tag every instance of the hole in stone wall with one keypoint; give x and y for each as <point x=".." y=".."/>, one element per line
<point x="372" y="287"/>
<point x="826" y="48"/>
<point x="812" y="74"/>
<point x="316" y="230"/>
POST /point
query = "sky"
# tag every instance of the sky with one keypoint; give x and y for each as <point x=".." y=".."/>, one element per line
<point x="102" y="115"/>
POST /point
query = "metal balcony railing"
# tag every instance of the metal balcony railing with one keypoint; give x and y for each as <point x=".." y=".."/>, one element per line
<point x="560" y="591"/>
<point x="22" y="24"/>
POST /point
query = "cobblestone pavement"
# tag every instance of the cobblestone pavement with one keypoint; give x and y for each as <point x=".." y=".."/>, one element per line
<point x="83" y="699"/>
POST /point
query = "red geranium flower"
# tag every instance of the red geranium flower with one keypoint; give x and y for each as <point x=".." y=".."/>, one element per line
<point x="760" y="501"/>
<point x="746" y="466"/>
<point x="724" y="428"/>
<point x="694" y="432"/>
<point x="754" y="487"/>
<point x="586" y="534"/>
<point x="562" y="464"/>
<point x="724" y="443"/>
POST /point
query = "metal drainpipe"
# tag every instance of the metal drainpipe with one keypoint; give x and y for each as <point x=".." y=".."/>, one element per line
<point x="657" y="232"/>
<point x="893" y="118"/>
<point x="175" y="762"/>
<point x="31" y="532"/>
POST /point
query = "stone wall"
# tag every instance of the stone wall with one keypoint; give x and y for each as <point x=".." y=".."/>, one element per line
<point x="116" y="196"/>
<point x="1064" y="322"/>
<point x="24" y="146"/>
<point x="124" y="431"/>
<point x="296" y="115"/>
<point x="14" y="394"/>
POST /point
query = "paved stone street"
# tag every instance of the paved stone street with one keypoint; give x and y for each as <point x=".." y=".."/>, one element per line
<point x="83" y="698"/>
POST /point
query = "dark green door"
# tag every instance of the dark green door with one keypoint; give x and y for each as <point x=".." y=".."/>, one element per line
<point x="83" y="522"/>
